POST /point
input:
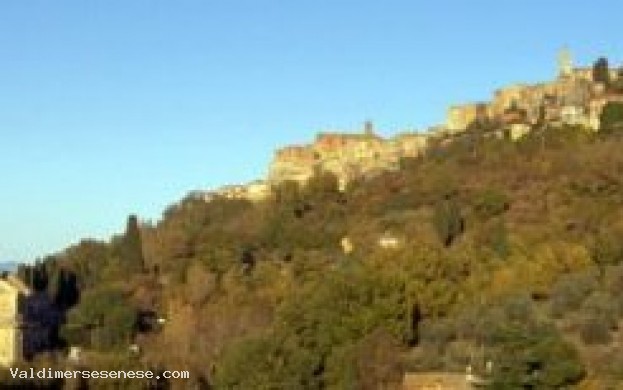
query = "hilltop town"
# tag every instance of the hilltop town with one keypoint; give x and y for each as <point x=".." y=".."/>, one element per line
<point x="576" y="97"/>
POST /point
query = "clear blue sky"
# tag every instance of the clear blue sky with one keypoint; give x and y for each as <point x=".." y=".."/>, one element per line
<point x="123" y="106"/>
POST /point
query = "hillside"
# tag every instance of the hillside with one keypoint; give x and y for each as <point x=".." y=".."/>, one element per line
<point x="482" y="249"/>
<point x="493" y="245"/>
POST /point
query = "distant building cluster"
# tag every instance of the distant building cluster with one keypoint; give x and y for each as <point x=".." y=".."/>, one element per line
<point x="254" y="191"/>
<point x="346" y="155"/>
<point x="573" y="98"/>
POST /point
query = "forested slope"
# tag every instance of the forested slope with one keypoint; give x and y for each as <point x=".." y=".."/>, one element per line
<point x="509" y="252"/>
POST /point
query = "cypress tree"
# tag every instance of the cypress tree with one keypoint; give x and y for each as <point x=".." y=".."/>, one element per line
<point x="601" y="72"/>
<point x="131" y="247"/>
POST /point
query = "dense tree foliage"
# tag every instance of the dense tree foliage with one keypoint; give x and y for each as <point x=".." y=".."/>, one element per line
<point x="107" y="316"/>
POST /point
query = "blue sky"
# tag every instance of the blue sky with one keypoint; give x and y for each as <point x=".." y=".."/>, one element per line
<point x="123" y="106"/>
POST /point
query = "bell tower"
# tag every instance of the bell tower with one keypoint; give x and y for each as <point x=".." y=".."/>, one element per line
<point x="565" y="63"/>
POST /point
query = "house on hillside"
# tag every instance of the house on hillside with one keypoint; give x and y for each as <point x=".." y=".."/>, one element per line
<point x="435" y="381"/>
<point x="389" y="241"/>
<point x="447" y="380"/>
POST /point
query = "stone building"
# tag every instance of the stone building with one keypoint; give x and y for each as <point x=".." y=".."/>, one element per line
<point x="389" y="241"/>
<point x="26" y="321"/>
<point x="347" y="155"/>
<point x="518" y="130"/>
<point x="11" y="302"/>
<point x="409" y="144"/>
<point x="347" y="245"/>
<point x="460" y="117"/>
<point x="292" y="163"/>
<point x="572" y="99"/>
<point x="435" y="381"/>
<point x="254" y="191"/>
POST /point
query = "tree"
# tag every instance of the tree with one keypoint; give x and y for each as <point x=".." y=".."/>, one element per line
<point x="266" y="363"/>
<point x="323" y="185"/>
<point x="570" y="291"/>
<point x="372" y="363"/>
<point x="107" y="316"/>
<point x="323" y="334"/>
<point x="448" y="221"/>
<point x="63" y="289"/>
<point x="490" y="203"/>
<point x="593" y="331"/>
<point x="612" y="117"/>
<point x="496" y="238"/>
<point x="536" y="358"/>
<point x="287" y="192"/>
<point x="602" y="307"/>
<point x="87" y="260"/>
<point x="601" y="71"/>
<point x="131" y="250"/>
<point x="614" y="284"/>
<point x="608" y="248"/>
<point x="39" y="277"/>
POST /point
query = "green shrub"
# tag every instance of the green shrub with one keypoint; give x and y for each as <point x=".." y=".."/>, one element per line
<point x="448" y="221"/>
<point x="437" y="331"/>
<point x="373" y="362"/>
<point x="495" y="236"/>
<point x="608" y="248"/>
<point x="570" y="291"/>
<point x="614" y="285"/>
<point x="535" y="358"/>
<point x="266" y="363"/>
<point x="612" y="117"/>
<point x="107" y="315"/>
<point x="491" y="203"/>
<point x="594" y="331"/>
<point x="602" y="307"/>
